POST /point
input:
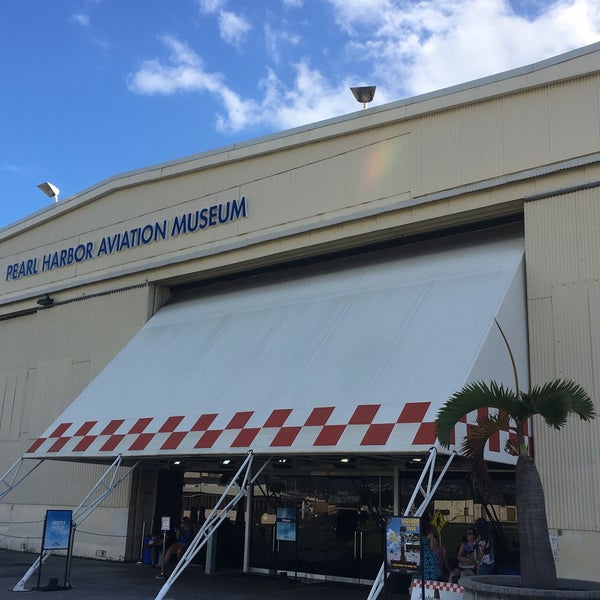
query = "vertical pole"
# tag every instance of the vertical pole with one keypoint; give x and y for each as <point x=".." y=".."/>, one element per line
<point x="142" y="543"/>
<point x="396" y="491"/>
<point x="248" y="527"/>
<point x="67" y="583"/>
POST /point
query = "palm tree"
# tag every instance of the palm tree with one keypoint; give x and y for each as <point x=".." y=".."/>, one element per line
<point x="554" y="402"/>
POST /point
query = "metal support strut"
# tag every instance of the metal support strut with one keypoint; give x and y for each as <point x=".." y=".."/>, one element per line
<point x="11" y="479"/>
<point x="216" y="516"/>
<point x="427" y="491"/>
<point x="110" y="481"/>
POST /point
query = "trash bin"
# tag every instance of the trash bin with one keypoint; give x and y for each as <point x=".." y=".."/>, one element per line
<point x="147" y="553"/>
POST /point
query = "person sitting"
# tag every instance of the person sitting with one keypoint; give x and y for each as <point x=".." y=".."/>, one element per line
<point x="467" y="562"/>
<point x="185" y="535"/>
<point x="156" y="546"/>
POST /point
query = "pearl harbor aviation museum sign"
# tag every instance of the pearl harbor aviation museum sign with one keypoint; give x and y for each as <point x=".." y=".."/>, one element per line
<point x="188" y="223"/>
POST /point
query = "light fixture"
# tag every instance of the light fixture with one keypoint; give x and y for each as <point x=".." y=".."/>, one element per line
<point x="50" y="190"/>
<point x="364" y="94"/>
<point x="45" y="301"/>
<point x="225" y="462"/>
<point x="176" y="462"/>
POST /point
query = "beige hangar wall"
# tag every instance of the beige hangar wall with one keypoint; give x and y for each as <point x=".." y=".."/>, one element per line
<point x="562" y="250"/>
<point x="47" y="358"/>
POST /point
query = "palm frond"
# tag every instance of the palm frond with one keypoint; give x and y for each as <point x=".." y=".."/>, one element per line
<point x="556" y="400"/>
<point x="473" y="449"/>
<point x="470" y="398"/>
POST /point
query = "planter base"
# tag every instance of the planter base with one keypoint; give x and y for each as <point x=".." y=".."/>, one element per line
<point x="508" y="587"/>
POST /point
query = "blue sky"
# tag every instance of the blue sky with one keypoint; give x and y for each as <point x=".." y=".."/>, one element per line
<point x="94" y="88"/>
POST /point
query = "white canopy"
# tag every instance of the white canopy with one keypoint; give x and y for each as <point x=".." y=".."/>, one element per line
<point x="353" y="356"/>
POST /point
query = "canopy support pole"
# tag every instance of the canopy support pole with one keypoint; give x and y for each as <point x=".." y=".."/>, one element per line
<point x="110" y="482"/>
<point x="428" y="492"/>
<point x="11" y="478"/>
<point x="216" y="516"/>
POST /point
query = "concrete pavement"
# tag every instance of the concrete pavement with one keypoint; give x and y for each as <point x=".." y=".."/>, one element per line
<point x="100" y="580"/>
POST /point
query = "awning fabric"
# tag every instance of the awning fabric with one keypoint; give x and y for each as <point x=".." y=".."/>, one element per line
<point x="353" y="356"/>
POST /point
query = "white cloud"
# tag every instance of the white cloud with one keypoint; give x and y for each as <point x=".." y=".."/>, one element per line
<point x="403" y="47"/>
<point x="276" y="38"/>
<point x="184" y="72"/>
<point x="211" y="6"/>
<point x="419" y="47"/>
<point x="81" y="19"/>
<point x="233" y="27"/>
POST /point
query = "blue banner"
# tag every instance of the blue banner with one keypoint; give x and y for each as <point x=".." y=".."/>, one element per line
<point x="57" y="531"/>
<point x="286" y="524"/>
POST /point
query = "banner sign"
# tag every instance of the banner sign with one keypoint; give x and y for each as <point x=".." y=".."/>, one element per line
<point x="286" y="524"/>
<point x="57" y="530"/>
<point x="403" y="544"/>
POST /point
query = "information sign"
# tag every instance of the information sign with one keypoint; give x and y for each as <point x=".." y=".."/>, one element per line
<point x="165" y="523"/>
<point x="403" y="544"/>
<point x="57" y="530"/>
<point x="286" y="524"/>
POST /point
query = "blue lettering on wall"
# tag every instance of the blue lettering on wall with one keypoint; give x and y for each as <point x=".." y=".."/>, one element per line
<point x="217" y="214"/>
<point x="199" y="220"/>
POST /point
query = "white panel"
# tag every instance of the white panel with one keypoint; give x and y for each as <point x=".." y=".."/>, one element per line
<point x="369" y="335"/>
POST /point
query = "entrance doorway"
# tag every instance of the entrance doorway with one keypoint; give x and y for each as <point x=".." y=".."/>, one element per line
<point x="339" y="533"/>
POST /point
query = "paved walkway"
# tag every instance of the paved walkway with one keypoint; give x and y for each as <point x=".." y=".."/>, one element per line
<point x="100" y="580"/>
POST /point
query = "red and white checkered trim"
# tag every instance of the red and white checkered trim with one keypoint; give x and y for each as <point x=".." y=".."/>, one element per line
<point x="280" y="430"/>
<point x="442" y="586"/>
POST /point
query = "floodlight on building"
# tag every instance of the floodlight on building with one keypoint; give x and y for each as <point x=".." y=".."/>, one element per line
<point x="45" y="301"/>
<point x="50" y="190"/>
<point x="364" y="94"/>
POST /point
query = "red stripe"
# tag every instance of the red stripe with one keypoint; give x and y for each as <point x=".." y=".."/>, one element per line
<point x="85" y="428"/>
<point x="413" y="412"/>
<point x="330" y="435"/>
<point x="170" y="424"/>
<point x="140" y="425"/>
<point x="364" y="414"/>
<point x="58" y="444"/>
<point x="278" y="417"/>
<point x="245" y="437"/>
<point x="173" y="441"/>
<point x="285" y="437"/>
<point x="60" y="430"/>
<point x="84" y="443"/>
<point x="112" y="427"/>
<point x="319" y="416"/>
<point x="239" y="420"/>
<point x="36" y="445"/>
<point x="142" y="441"/>
<point x="377" y="435"/>
<point x="112" y="442"/>
<point x="425" y="434"/>
<point x="208" y="438"/>
<point x="204" y="422"/>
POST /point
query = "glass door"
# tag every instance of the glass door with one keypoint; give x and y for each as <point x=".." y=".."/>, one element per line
<point x="339" y="526"/>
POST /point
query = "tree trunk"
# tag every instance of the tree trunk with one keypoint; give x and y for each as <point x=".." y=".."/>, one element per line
<point x="537" y="563"/>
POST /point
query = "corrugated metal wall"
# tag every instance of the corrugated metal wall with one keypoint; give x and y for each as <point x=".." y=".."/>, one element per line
<point x="563" y="276"/>
<point x="56" y="353"/>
